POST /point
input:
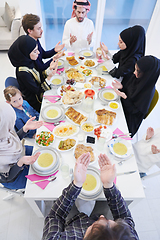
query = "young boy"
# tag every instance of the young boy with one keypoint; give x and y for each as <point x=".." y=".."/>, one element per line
<point x="22" y="108"/>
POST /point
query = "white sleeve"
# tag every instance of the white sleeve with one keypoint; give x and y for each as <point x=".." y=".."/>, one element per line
<point x="93" y="36"/>
<point x="66" y="36"/>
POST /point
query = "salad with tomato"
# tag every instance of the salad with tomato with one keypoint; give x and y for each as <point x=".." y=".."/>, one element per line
<point x="44" y="138"/>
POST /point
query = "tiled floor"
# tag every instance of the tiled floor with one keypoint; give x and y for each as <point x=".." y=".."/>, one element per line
<point x="18" y="221"/>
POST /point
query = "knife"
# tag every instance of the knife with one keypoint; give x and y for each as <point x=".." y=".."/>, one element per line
<point x="119" y="174"/>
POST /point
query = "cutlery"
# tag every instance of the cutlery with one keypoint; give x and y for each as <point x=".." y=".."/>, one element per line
<point x="123" y="173"/>
<point x="121" y="162"/>
<point x="121" y="135"/>
<point x="50" y="179"/>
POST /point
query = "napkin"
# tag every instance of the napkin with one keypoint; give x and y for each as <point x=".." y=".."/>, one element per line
<point x="52" y="98"/>
<point x="50" y="126"/>
<point x="118" y="131"/>
<point x="35" y="177"/>
<point x="60" y="70"/>
<point x="100" y="60"/>
<point x="71" y="53"/>
<point x="106" y="87"/>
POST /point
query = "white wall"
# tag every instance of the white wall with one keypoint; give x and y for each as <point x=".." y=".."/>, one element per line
<point x="14" y="3"/>
<point x="34" y="7"/>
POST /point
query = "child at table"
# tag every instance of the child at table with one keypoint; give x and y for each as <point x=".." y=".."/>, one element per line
<point x="22" y="108"/>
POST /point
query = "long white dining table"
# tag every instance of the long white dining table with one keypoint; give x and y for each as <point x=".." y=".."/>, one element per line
<point x="130" y="185"/>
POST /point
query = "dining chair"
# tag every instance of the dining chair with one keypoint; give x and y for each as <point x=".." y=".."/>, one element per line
<point x="11" y="81"/>
<point x="153" y="103"/>
<point x="11" y="192"/>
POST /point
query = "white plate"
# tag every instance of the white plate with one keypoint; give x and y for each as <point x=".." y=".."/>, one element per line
<point x="107" y="133"/>
<point x="70" y="148"/>
<point x="60" y="78"/>
<point x="70" y="120"/>
<point x="101" y="66"/>
<point x="123" y="141"/>
<point x="113" y="102"/>
<point x="88" y="145"/>
<point x="60" y="63"/>
<point x="95" y="61"/>
<point x="49" y="168"/>
<point x="51" y="107"/>
<point x="73" y="65"/>
<point x="95" y="116"/>
<point x="60" y="88"/>
<point x="107" y="90"/>
<point x="61" y="126"/>
<point x="86" y="53"/>
<point x="39" y="145"/>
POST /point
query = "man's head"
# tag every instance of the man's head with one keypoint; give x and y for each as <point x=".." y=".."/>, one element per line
<point x="82" y="4"/>
<point x="32" y="26"/>
<point x="80" y="13"/>
<point x="107" y="230"/>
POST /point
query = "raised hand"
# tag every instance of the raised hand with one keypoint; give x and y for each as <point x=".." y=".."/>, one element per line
<point x="89" y="38"/>
<point x="80" y="169"/>
<point x="27" y="160"/>
<point x="116" y="84"/>
<point x="31" y="124"/>
<point x="72" y="39"/>
<point x="108" y="171"/>
<point x="119" y="93"/>
<point x="59" y="47"/>
<point x="154" y="149"/>
<point x="104" y="50"/>
<point x="150" y="133"/>
<point x="53" y="69"/>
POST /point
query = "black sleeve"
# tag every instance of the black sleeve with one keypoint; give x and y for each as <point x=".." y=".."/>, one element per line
<point x="129" y="105"/>
<point x="21" y="134"/>
<point x="122" y="71"/>
<point x="11" y="175"/>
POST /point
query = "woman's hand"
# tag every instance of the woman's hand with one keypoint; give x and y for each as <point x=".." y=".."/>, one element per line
<point x="31" y="124"/>
<point x="108" y="171"/>
<point x="53" y="69"/>
<point x="119" y="93"/>
<point x="80" y="169"/>
<point x="27" y="160"/>
<point x="58" y="55"/>
<point x="150" y="133"/>
<point x="116" y="84"/>
<point x="104" y="50"/>
<point x="154" y="149"/>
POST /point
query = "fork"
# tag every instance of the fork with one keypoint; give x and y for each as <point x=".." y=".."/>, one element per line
<point x="121" y="162"/>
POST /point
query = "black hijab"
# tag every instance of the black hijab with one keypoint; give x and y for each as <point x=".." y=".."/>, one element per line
<point x="19" y="51"/>
<point x="140" y="90"/>
<point x="134" y="38"/>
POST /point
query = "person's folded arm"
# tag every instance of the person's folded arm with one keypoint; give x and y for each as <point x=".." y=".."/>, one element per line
<point x="11" y="175"/>
<point x="55" y="221"/>
<point x="119" y="208"/>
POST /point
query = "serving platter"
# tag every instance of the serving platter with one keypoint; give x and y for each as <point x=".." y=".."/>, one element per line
<point x="64" y="140"/>
<point x="95" y="63"/>
<point x="65" y="130"/>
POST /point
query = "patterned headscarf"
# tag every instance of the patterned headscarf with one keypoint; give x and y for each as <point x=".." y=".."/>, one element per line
<point x="80" y="3"/>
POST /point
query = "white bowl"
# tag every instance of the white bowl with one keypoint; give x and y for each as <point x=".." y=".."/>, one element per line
<point x="85" y="130"/>
<point x="113" y="105"/>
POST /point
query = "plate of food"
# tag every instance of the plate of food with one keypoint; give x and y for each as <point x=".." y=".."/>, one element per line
<point x="56" y="80"/>
<point x="65" y="88"/>
<point x="120" y="148"/>
<point x="60" y="63"/>
<point x="44" y="139"/>
<point x="74" y="74"/>
<point x="86" y="53"/>
<point x="105" y="117"/>
<point x="72" y="98"/>
<point x="84" y="148"/>
<point x="92" y="185"/>
<point x="75" y="116"/>
<point x="65" y="130"/>
<point x="103" y="67"/>
<point x="91" y="63"/>
<point x="87" y="127"/>
<point x="98" y="82"/>
<point x="107" y="95"/>
<point x="72" y="61"/>
<point x="46" y="160"/>
<point x="103" y="131"/>
<point x="51" y="112"/>
<point x="113" y="105"/>
<point x="67" y="144"/>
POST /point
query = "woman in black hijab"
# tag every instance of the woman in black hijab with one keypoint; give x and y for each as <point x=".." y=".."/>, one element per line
<point x="138" y="92"/>
<point x="22" y="54"/>
<point x="132" y="47"/>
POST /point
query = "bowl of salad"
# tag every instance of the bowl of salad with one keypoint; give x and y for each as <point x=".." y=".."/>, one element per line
<point x="44" y="139"/>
